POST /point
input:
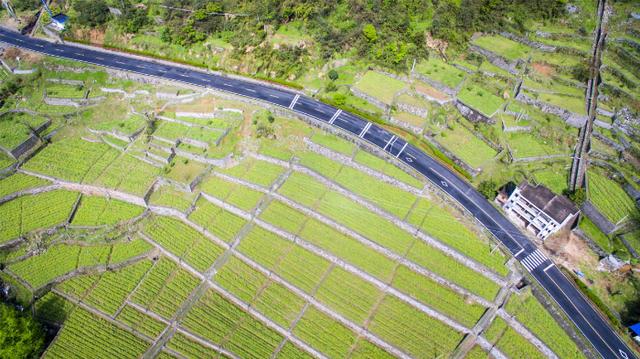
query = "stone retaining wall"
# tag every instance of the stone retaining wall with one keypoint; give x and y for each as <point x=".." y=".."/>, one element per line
<point x="435" y="84"/>
<point x="474" y="172"/>
<point x="570" y="118"/>
<point x="472" y="115"/>
<point x="372" y="100"/>
<point x="414" y="110"/>
<point x="533" y="44"/>
<point x="495" y="59"/>
<point x="66" y="82"/>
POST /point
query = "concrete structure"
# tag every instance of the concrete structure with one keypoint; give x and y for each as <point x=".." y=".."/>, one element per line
<point x="539" y="210"/>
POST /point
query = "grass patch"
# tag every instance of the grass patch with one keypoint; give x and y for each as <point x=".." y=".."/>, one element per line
<point x="502" y="46"/>
<point x="480" y="99"/>
<point x="465" y="145"/>
<point x="610" y="199"/>
<point x="440" y="71"/>
<point x="379" y="86"/>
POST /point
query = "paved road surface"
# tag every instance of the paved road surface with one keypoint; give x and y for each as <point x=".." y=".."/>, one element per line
<point x="578" y="309"/>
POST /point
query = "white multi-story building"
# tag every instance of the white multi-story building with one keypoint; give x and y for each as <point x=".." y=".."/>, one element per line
<point x="539" y="210"/>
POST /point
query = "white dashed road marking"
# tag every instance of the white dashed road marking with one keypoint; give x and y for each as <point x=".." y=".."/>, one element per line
<point x="402" y="149"/>
<point x="293" y="103"/>
<point x="534" y="260"/>
<point x="365" y="129"/>
<point x="335" y="115"/>
<point x="392" y="139"/>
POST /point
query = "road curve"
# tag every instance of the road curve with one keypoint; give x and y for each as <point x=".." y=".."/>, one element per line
<point x="577" y="308"/>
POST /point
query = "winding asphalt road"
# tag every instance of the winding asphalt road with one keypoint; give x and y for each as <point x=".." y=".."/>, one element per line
<point x="589" y="321"/>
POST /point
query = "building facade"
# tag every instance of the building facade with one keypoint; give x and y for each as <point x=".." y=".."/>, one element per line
<point x="539" y="210"/>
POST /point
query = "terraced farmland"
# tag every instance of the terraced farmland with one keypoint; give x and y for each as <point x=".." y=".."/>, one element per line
<point x="327" y="251"/>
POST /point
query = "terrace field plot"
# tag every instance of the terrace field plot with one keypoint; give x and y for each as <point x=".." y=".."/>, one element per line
<point x="99" y="211"/>
<point x="535" y="317"/>
<point x="13" y="131"/>
<point x="20" y="182"/>
<point x="35" y="212"/>
<point x="221" y="223"/>
<point x="258" y="172"/>
<point x="436" y="69"/>
<point x="198" y="136"/>
<point x="66" y="91"/>
<point x="480" y="99"/>
<point x="72" y="159"/>
<point x="554" y="178"/>
<point x="170" y="196"/>
<point x="609" y="198"/>
<point x="126" y="127"/>
<point x="501" y="46"/>
<point x="509" y="341"/>
<point x="465" y="145"/>
<point x="525" y="144"/>
<point x="379" y="86"/>
<point x="230" y="192"/>
<point x="127" y="174"/>
<point x="184" y="170"/>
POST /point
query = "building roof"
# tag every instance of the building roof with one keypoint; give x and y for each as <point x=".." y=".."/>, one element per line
<point x="555" y="206"/>
<point x="635" y="328"/>
<point x="60" y="18"/>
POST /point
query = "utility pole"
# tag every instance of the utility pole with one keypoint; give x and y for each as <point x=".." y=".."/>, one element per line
<point x="7" y="5"/>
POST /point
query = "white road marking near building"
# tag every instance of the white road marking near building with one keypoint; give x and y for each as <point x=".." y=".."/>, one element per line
<point x="520" y="251"/>
<point x="77" y="53"/>
<point x="250" y="90"/>
<point x="274" y="96"/>
<point x="534" y="260"/>
<point x="547" y="267"/>
<point x="228" y="85"/>
<point x="365" y="129"/>
<point x="99" y="58"/>
<point x="120" y="62"/>
<point x="335" y="115"/>
<point x="293" y="103"/>
<point x="389" y="142"/>
<point x="402" y="149"/>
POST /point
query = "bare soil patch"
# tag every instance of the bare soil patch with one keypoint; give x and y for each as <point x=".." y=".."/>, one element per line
<point x="570" y="251"/>
<point x="543" y="69"/>
<point x="431" y="92"/>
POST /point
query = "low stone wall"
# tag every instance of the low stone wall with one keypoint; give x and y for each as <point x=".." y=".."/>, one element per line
<point x="495" y="59"/>
<point x="471" y="114"/>
<point x="608" y="141"/>
<point x="537" y="158"/>
<point x="533" y="44"/>
<point x="82" y="102"/>
<point x="66" y="82"/>
<point x="435" y="84"/>
<point x="415" y="129"/>
<point x="372" y="100"/>
<point x="124" y="93"/>
<point x="201" y="115"/>
<point x="570" y="118"/>
<point x="414" y="110"/>
<point x="597" y="218"/>
<point x="474" y="172"/>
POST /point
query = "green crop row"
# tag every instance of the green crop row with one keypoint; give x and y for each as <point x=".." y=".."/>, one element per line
<point x="225" y="225"/>
<point x="444" y="226"/>
<point x="140" y="321"/>
<point x="415" y="332"/>
<point x="535" y="317"/>
<point x="72" y="160"/>
<point x="334" y="143"/>
<point x="169" y="196"/>
<point x="259" y="172"/>
<point x="183" y="241"/>
<point x="215" y="318"/>
<point x="234" y="194"/>
<point x="128" y="174"/>
<point x="380" y="165"/>
<point x="303" y="189"/>
<point x="189" y="348"/>
<point x="325" y="334"/>
<point x="509" y="341"/>
<point x="28" y="213"/>
<point x="164" y="288"/>
<point x="114" y="287"/>
<point x="87" y="336"/>
<point x="295" y="264"/>
<point x="20" y="182"/>
<point x="437" y="296"/>
<point x="96" y="211"/>
<point x="610" y="198"/>
<point x="447" y="267"/>
<point x="348" y="295"/>
<point x="386" y="196"/>
<point x="283" y="216"/>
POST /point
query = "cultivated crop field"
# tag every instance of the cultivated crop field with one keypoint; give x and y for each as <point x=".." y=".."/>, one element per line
<point x="296" y="244"/>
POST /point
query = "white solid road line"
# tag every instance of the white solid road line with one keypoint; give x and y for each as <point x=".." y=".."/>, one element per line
<point x="365" y="129"/>
<point x="389" y="142"/>
<point x="274" y="96"/>
<point x="250" y="90"/>
<point x="77" y="53"/>
<point x="228" y="85"/>
<point x="402" y="149"/>
<point x="335" y="115"/>
<point x="293" y="103"/>
<point x="520" y="251"/>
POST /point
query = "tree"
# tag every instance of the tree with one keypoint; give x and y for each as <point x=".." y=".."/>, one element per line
<point x="333" y="75"/>
<point x="20" y="335"/>
<point x="579" y="196"/>
<point x="369" y="31"/>
<point x="92" y="12"/>
<point x="488" y="189"/>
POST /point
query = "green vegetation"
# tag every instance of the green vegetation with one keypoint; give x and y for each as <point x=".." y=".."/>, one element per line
<point x="221" y="223"/>
<point x="96" y="211"/>
<point x="20" y="182"/>
<point x="20" y="335"/>
<point x="480" y="99"/>
<point x="509" y="341"/>
<point x="381" y="87"/>
<point x="533" y="315"/>
<point x="465" y="145"/>
<point x="440" y="71"/>
<point x="502" y="46"/>
<point x="610" y="198"/>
